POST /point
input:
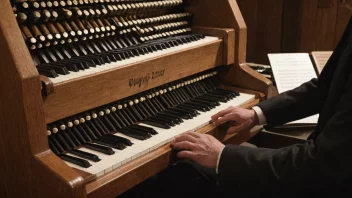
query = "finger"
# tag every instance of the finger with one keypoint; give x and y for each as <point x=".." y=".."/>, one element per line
<point x="221" y="114"/>
<point x="194" y="134"/>
<point x="226" y="118"/>
<point x="185" y="145"/>
<point x="235" y="129"/>
<point x="187" y="155"/>
<point x="184" y="137"/>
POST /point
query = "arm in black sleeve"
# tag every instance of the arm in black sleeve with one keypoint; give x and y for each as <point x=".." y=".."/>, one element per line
<point x="324" y="162"/>
<point x="295" y="104"/>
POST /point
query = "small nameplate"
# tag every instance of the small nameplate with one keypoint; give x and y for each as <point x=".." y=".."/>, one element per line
<point x="138" y="82"/>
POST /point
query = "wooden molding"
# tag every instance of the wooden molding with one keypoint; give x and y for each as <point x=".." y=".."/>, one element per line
<point x="222" y="14"/>
<point x="245" y="77"/>
<point x="47" y="85"/>
<point x="228" y="37"/>
<point x="22" y="125"/>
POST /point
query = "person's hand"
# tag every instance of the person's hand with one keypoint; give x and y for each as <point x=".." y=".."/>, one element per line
<point x="200" y="148"/>
<point x="239" y="118"/>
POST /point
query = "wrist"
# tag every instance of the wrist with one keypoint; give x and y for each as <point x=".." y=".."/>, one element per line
<point x="218" y="160"/>
<point x="255" y="119"/>
<point x="260" y="117"/>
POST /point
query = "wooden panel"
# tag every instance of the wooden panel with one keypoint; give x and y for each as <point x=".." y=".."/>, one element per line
<point x="228" y="37"/>
<point x="222" y="14"/>
<point x="264" y="21"/>
<point x="287" y="26"/>
<point x="249" y="9"/>
<point x="93" y="91"/>
<point x="325" y="3"/>
<point x="22" y="127"/>
<point x="226" y="14"/>
<point x="129" y="175"/>
<point x="245" y="77"/>
<point x="325" y="27"/>
<point x="54" y="175"/>
<point x="269" y="29"/>
<point x="343" y="16"/>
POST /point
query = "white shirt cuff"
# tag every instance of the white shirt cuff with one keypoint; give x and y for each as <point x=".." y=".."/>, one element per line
<point x="217" y="164"/>
<point x="260" y="114"/>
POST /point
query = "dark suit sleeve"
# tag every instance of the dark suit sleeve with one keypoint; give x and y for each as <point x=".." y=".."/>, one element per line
<point x="324" y="163"/>
<point x="292" y="105"/>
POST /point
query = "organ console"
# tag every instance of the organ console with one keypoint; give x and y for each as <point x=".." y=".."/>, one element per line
<point x="92" y="91"/>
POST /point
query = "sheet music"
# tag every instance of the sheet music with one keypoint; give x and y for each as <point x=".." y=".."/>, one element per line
<point x="321" y="58"/>
<point x="290" y="71"/>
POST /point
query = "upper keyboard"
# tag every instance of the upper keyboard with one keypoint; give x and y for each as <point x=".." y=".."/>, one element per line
<point x="68" y="38"/>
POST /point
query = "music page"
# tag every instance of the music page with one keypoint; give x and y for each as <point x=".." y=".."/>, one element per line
<point x="290" y="71"/>
<point x="321" y="58"/>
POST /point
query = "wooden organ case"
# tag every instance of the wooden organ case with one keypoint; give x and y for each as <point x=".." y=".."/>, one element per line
<point x="46" y="90"/>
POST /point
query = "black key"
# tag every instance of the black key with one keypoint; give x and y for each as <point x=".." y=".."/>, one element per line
<point x="168" y="118"/>
<point x="125" y="141"/>
<point x="103" y="126"/>
<point x="95" y="130"/>
<point x="181" y="114"/>
<point x="53" y="148"/>
<point x="213" y="102"/>
<point x="156" y="124"/>
<point x="68" y="66"/>
<point x="82" y="65"/>
<point x="194" y="107"/>
<point x="56" y="144"/>
<point x="47" y="72"/>
<point x="138" y="114"/>
<point x="73" y="137"/>
<point x="200" y="104"/>
<point x="90" y="60"/>
<point x="114" y="121"/>
<point x="83" y="131"/>
<point x="86" y="155"/>
<point x="109" y="143"/>
<point x="119" y="145"/>
<point x="80" y="162"/>
<point x="214" y="98"/>
<point x="134" y="134"/>
<point x="68" y="139"/>
<point x="88" y="131"/>
<point x="99" y="148"/>
<point x="58" y="69"/>
<point x="161" y="120"/>
<point x="107" y="123"/>
<point x="98" y="126"/>
<point x="119" y="118"/>
<point x="78" y="135"/>
<point x="130" y="115"/>
<point x="137" y="131"/>
<point x="147" y="129"/>
<point x="171" y="115"/>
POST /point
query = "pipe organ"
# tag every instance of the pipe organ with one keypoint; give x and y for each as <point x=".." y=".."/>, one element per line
<point x="93" y="91"/>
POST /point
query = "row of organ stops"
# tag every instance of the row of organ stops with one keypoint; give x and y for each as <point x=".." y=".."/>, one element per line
<point x="94" y="11"/>
<point x="53" y="33"/>
<point x="51" y="27"/>
<point x="164" y="107"/>
<point x="122" y="6"/>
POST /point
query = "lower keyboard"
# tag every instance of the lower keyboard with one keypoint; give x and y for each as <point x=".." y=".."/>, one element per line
<point x="164" y="136"/>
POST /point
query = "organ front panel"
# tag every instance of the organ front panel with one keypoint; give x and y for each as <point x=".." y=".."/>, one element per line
<point x="98" y="88"/>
